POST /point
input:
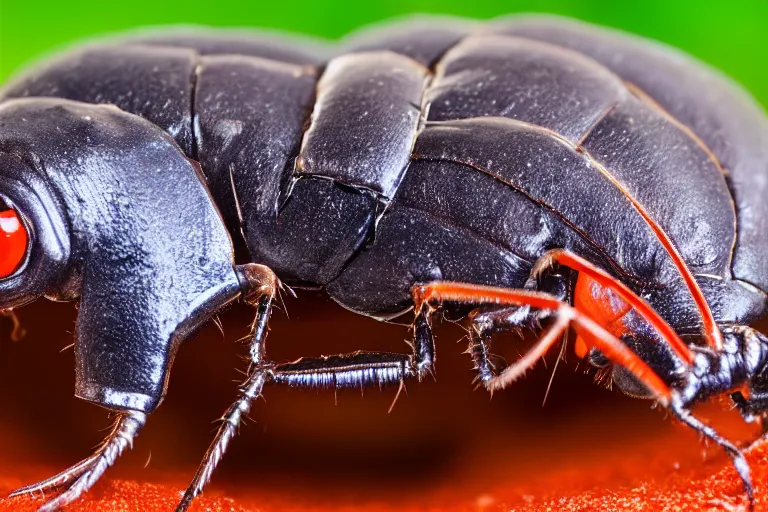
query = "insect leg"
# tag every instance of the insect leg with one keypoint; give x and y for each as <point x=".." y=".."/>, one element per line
<point x="358" y="369"/>
<point x="581" y="265"/>
<point x="739" y="461"/>
<point x="617" y="352"/>
<point x="484" y="324"/>
<point x="479" y="345"/>
<point x="259" y="288"/>
<point x="611" y="347"/>
<point x="486" y="321"/>
<point x="81" y="477"/>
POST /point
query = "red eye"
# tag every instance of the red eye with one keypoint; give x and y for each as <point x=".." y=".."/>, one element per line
<point x="13" y="242"/>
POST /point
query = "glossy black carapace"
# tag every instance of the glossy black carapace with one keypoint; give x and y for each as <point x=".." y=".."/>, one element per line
<point x="528" y="171"/>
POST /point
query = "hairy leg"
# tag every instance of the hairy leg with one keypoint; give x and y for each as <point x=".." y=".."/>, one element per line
<point x="358" y="369"/>
<point x="82" y="476"/>
<point x="611" y="347"/>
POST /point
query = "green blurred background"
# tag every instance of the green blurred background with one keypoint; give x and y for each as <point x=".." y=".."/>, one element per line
<point x="732" y="35"/>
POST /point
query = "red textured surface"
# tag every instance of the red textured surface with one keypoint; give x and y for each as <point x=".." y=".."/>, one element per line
<point x="696" y="490"/>
<point x="124" y="496"/>
<point x="444" y="447"/>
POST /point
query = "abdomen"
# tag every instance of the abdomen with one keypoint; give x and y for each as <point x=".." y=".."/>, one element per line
<point x="459" y="154"/>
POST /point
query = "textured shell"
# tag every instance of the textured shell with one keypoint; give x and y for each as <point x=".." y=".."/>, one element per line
<point x="448" y="149"/>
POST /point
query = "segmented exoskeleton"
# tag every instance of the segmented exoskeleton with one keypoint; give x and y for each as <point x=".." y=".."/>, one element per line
<point x="522" y="170"/>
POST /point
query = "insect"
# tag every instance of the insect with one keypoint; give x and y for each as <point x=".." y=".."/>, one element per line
<point x="524" y="172"/>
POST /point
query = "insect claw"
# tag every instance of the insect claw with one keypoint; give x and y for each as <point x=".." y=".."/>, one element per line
<point x="81" y="477"/>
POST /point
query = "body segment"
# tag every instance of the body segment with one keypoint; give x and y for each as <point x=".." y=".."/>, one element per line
<point x="262" y="129"/>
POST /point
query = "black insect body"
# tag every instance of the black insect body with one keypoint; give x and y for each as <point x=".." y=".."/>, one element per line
<point x="532" y="168"/>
